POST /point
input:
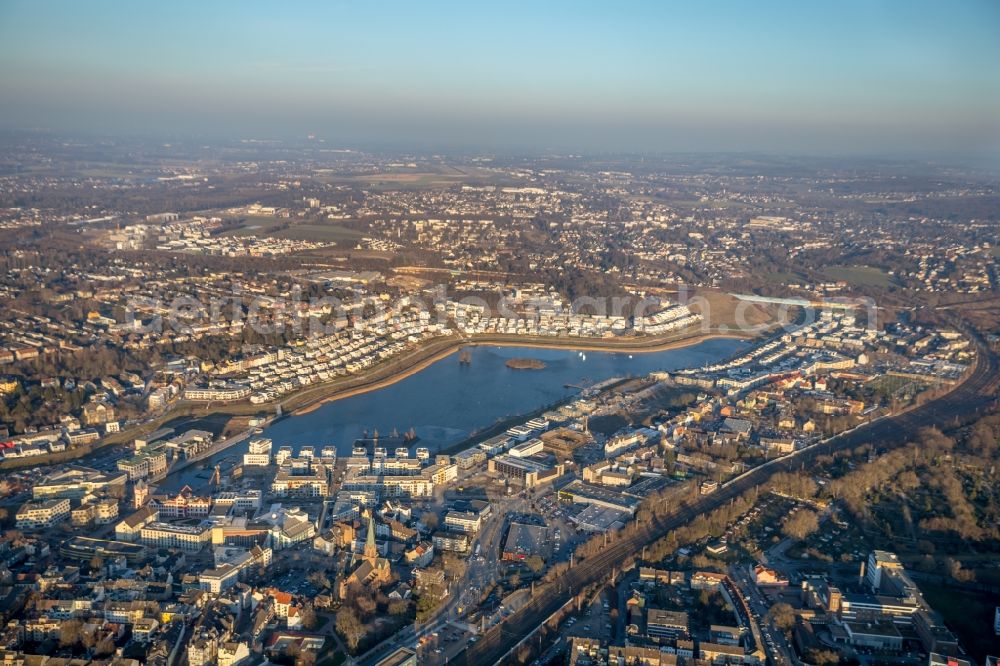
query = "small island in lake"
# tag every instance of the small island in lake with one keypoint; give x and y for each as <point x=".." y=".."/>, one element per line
<point x="525" y="364"/>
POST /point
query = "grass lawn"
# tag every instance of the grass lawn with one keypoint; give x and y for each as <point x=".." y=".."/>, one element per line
<point x="886" y="386"/>
<point x="256" y="224"/>
<point x="318" y="232"/>
<point x="864" y="276"/>
<point x="784" y="278"/>
<point x="335" y="659"/>
<point x="721" y="309"/>
<point x="415" y="180"/>
<point x="323" y="233"/>
<point x="969" y="615"/>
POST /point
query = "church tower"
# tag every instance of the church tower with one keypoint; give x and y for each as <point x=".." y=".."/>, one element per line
<point x="371" y="552"/>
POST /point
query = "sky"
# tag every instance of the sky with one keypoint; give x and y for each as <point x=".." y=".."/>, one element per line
<point x="845" y="76"/>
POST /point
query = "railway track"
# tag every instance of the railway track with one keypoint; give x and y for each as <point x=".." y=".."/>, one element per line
<point x="973" y="395"/>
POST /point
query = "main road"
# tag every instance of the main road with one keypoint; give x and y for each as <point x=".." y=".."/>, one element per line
<point x="969" y="398"/>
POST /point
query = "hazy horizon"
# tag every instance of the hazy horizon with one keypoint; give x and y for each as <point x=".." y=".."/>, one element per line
<point x="852" y="78"/>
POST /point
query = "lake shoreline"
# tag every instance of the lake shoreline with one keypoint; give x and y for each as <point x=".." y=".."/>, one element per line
<point x="310" y="399"/>
<point x="451" y="404"/>
<point x="566" y="345"/>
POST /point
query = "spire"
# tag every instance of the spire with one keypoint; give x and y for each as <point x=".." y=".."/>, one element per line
<point x="371" y="553"/>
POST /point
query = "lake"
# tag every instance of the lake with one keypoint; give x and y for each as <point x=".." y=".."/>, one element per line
<point x="448" y="401"/>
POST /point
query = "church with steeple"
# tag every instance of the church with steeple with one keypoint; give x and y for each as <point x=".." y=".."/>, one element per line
<point x="370" y="570"/>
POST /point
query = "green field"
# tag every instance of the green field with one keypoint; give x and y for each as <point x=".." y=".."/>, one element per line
<point x="784" y="278"/>
<point x="415" y="180"/>
<point x="318" y="232"/>
<point x="418" y="182"/>
<point x="887" y="384"/>
<point x="256" y="224"/>
<point x="323" y="233"/>
<point x="889" y="388"/>
<point x="864" y="276"/>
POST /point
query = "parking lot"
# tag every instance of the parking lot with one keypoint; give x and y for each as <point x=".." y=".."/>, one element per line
<point x="443" y="644"/>
<point x="556" y="514"/>
<point x="594" y="621"/>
